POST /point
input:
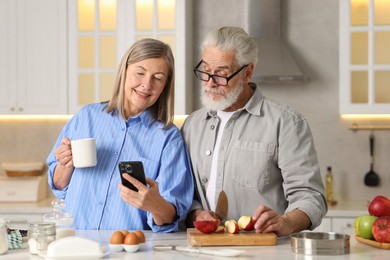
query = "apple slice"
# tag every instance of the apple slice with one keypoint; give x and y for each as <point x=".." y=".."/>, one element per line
<point x="207" y="226"/>
<point x="246" y="223"/>
<point x="232" y="226"/>
<point x="220" y="230"/>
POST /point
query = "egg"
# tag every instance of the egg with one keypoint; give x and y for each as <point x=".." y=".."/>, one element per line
<point x="131" y="239"/>
<point x="124" y="232"/>
<point x="117" y="238"/>
<point x="140" y="235"/>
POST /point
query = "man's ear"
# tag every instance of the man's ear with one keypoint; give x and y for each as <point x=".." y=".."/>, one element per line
<point x="248" y="73"/>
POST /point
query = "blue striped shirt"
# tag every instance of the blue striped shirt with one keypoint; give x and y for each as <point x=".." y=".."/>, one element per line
<point x="93" y="196"/>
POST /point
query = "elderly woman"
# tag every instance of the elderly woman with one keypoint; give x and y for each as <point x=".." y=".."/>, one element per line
<point x="135" y="125"/>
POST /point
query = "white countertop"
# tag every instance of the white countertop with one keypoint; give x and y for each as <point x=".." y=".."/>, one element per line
<point x="353" y="208"/>
<point x="280" y="251"/>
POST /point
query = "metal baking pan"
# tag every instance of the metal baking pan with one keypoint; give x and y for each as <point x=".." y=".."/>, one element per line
<point x="320" y="243"/>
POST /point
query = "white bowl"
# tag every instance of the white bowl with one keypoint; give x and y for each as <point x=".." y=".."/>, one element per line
<point x="131" y="248"/>
<point x="116" y="247"/>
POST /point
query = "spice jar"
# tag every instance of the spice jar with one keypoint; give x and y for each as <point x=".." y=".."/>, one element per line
<point x="3" y="236"/>
<point x="40" y="235"/>
<point x="63" y="220"/>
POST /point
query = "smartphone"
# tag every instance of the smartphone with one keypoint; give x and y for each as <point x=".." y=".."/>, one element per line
<point x="134" y="169"/>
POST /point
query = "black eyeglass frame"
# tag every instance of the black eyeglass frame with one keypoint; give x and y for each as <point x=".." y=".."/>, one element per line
<point x="213" y="75"/>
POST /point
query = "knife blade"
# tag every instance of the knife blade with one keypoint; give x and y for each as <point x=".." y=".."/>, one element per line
<point x="197" y="250"/>
<point x="221" y="210"/>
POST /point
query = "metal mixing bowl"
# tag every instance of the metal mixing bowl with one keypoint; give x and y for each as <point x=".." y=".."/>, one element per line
<point x="320" y="243"/>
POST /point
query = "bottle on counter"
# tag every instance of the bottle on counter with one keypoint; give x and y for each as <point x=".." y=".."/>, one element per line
<point x="62" y="220"/>
<point x="329" y="187"/>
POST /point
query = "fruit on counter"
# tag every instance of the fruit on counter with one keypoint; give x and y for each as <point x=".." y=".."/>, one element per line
<point x="117" y="238"/>
<point x="356" y="225"/>
<point x="131" y="239"/>
<point x="364" y="226"/>
<point x="232" y="226"/>
<point x="379" y="206"/>
<point x="220" y="230"/>
<point x="246" y="223"/>
<point x="381" y="229"/>
<point x="207" y="226"/>
<point x="140" y="235"/>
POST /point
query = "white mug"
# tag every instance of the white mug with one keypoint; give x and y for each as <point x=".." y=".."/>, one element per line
<point x="84" y="152"/>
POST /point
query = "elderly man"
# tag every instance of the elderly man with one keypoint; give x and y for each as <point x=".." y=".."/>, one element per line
<point x="259" y="152"/>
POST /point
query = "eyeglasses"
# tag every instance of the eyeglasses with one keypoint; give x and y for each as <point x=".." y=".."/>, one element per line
<point x="220" y="80"/>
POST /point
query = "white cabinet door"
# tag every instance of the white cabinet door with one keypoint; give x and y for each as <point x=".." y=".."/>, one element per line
<point x="34" y="71"/>
<point x="7" y="54"/>
<point x="325" y="226"/>
<point x="343" y="225"/>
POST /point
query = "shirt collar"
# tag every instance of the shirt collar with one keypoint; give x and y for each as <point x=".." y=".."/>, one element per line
<point x="253" y="106"/>
<point x="145" y="118"/>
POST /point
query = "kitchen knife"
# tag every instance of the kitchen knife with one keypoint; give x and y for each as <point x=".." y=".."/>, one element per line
<point x="221" y="210"/>
<point x="197" y="250"/>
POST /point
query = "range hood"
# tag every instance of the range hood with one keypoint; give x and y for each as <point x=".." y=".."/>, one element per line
<point x="275" y="64"/>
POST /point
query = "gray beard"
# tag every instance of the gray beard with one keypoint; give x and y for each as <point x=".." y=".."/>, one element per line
<point x="225" y="101"/>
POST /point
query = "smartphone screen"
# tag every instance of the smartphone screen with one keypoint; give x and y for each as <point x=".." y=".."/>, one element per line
<point x="134" y="169"/>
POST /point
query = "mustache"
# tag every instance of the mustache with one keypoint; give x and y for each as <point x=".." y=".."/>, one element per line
<point x="214" y="90"/>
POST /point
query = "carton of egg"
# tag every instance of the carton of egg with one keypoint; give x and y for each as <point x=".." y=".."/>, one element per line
<point x="125" y="240"/>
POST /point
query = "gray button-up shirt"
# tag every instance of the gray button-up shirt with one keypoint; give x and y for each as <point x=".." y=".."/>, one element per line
<point x="266" y="156"/>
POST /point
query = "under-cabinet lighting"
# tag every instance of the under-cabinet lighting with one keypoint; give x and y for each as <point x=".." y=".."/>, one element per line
<point x="35" y="117"/>
<point x="366" y="116"/>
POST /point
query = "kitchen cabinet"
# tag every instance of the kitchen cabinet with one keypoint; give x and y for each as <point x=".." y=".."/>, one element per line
<point x="101" y="31"/>
<point x="33" y="51"/>
<point x="342" y="225"/>
<point x="341" y="218"/>
<point x="364" y="57"/>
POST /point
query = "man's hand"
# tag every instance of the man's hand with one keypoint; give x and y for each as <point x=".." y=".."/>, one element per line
<point x="269" y="220"/>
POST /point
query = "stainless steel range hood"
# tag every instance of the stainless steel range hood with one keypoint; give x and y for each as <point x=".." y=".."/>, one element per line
<point x="276" y="64"/>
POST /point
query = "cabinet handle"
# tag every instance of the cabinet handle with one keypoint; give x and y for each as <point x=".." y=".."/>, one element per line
<point x="349" y="225"/>
<point x="12" y="109"/>
<point x="20" y="109"/>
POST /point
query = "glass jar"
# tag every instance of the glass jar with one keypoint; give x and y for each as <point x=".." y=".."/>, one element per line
<point x="3" y="236"/>
<point x="40" y="235"/>
<point x="63" y="220"/>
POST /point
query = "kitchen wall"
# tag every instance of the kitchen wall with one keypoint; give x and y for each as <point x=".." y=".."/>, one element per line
<point x="312" y="33"/>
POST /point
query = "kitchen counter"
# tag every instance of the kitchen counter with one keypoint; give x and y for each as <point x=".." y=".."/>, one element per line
<point x="350" y="208"/>
<point x="280" y="251"/>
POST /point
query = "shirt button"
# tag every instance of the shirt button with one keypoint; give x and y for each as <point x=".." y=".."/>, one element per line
<point x="212" y="127"/>
<point x="204" y="180"/>
<point x="116" y="153"/>
<point x="208" y="152"/>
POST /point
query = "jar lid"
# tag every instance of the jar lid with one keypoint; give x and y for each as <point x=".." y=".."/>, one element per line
<point x="47" y="227"/>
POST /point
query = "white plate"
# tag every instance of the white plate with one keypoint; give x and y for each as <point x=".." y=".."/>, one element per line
<point x="75" y="256"/>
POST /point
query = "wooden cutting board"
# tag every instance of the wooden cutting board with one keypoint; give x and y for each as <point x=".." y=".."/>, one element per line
<point x="373" y="243"/>
<point x="196" y="238"/>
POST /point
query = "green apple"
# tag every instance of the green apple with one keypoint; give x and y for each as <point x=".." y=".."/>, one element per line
<point x="364" y="226"/>
<point x="356" y="225"/>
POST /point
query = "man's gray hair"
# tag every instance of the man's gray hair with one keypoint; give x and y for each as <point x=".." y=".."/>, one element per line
<point x="235" y="39"/>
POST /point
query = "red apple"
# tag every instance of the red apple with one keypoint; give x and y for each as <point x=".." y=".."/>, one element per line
<point x="381" y="229"/>
<point x="379" y="206"/>
<point x="232" y="226"/>
<point x="207" y="226"/>
<point x="246" y="223"/>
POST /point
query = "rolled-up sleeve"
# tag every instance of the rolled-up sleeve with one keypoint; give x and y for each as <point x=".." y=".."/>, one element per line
<point x="302" y="182"/>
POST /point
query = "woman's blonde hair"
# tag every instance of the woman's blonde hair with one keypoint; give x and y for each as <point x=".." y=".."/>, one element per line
<point x="163" y="108"/>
